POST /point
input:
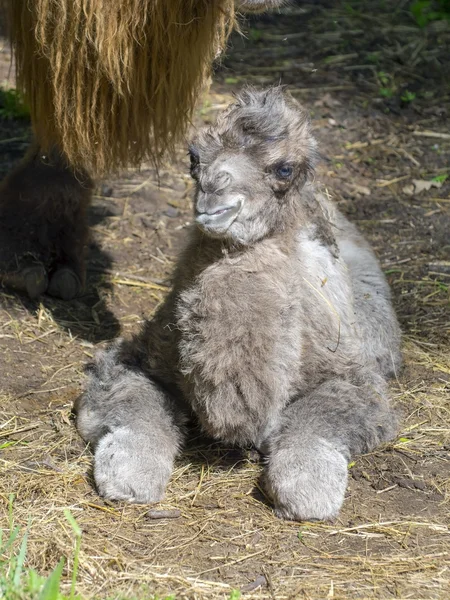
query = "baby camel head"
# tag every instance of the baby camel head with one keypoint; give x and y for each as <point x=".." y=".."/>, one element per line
<point x="251" y="166"/>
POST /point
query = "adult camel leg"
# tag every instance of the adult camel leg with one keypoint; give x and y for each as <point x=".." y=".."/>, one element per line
<point x="43" y="204"/>
<point x="43" y="226"/>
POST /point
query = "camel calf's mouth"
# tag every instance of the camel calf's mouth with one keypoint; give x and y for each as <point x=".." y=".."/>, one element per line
<point x="217" y="220"/>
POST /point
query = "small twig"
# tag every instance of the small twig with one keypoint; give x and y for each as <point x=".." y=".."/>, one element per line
<point x="39" y="337"/>
<point x="324" y="88"/>
<point x="15" y="139"/>
<point x="62" y="387"/>
<point x="384" y="182"/>
<point x="129" y="276"/>
<point x="152" y="286"/>
<point x="4" y="434"/>
<point x="432" y="134"/>
<point x="164" y="514"/>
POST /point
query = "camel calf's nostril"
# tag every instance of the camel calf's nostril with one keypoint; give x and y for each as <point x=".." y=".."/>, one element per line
<point x="213" y="184"/>
<point x="223" y="180"/>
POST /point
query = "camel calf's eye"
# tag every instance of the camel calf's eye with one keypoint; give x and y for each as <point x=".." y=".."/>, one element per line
<point x="284" y="171"/>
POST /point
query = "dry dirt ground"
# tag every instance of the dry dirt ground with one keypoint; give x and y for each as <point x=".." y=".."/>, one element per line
<point x="377" y="89"/>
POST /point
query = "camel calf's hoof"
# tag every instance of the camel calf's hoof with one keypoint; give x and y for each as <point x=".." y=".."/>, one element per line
<point x="64" y="284"/>
<point x="307" y="484"/>
<point x="129" y="467"/>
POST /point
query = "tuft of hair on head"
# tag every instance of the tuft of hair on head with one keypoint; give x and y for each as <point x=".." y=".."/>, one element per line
<point x="261" y="118"/>
<point x="271" y="112"/>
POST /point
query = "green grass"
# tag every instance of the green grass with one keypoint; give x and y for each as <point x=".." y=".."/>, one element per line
<point x="408" y="96"/>
<point x="12" y="105"/>
<point x="18" y="582"/>
<point x="440" y="178"/>
<point x="426" y="11"/>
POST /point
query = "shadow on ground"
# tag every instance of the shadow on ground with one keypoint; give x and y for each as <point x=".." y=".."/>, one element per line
<point x="86" y="317"/>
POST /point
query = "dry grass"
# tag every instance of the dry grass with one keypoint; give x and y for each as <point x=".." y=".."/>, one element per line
<point x="226" y="535"/>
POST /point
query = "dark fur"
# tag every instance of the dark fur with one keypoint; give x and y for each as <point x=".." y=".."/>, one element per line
<point x="43" y="219"/>
<point x="279" y="331"/>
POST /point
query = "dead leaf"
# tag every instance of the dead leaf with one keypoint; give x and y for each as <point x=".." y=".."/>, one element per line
<point x="408" y="190"/>
<point x="421" y="185"/>
<point x="361" y="189"/>
<point x="328" y="101"/>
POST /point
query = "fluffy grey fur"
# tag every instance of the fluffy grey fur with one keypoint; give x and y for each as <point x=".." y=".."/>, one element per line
<point x="279" y="331"/>
<point x="134" y="428"/>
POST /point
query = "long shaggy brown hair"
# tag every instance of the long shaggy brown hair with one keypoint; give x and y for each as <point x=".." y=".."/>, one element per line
<point x="114" y="82"/>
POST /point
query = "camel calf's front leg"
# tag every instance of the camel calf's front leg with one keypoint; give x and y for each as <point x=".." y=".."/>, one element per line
<point x="135" y="428"/>
<point x="306" y="473"/>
